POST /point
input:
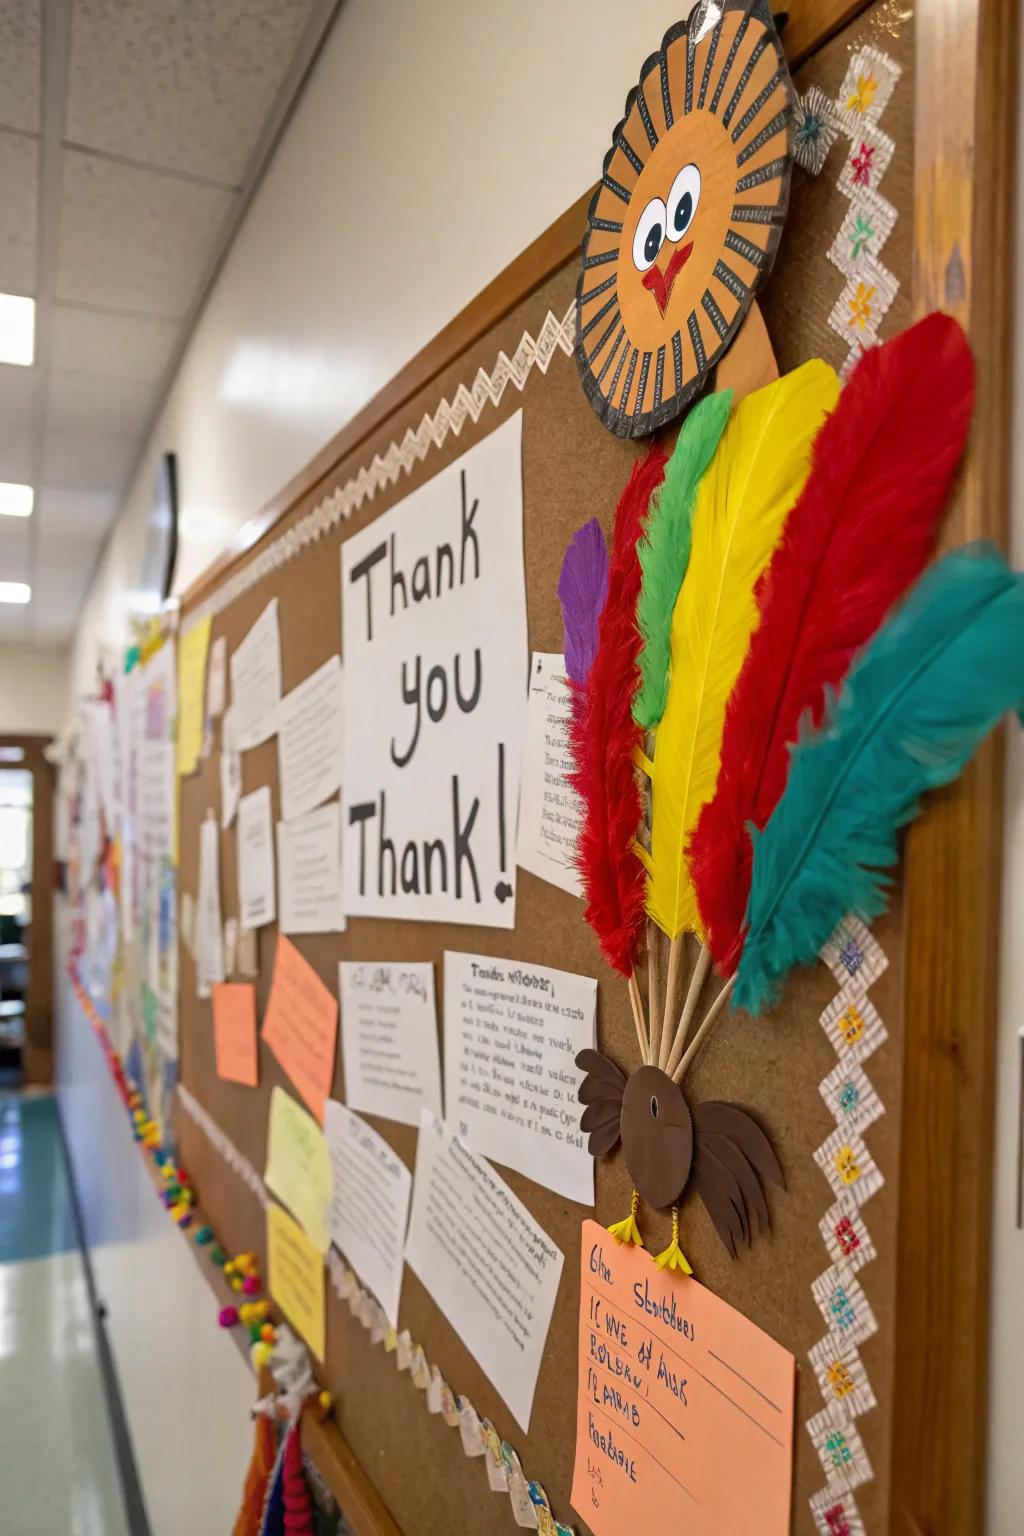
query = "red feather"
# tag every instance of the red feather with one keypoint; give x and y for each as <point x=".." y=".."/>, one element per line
<point x="604" y="738"/>
<point x="862" y="530"/>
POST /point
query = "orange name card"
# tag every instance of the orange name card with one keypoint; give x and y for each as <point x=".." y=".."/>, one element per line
<point x="234" y="1032"/>
<point x="685" y="1411"/>
<point x="301" y="1025"/>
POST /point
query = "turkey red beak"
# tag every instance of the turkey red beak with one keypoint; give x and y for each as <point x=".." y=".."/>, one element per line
<point x="661" y="283"/>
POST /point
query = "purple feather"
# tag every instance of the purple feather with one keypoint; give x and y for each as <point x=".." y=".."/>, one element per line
<point x="582" y="589"/>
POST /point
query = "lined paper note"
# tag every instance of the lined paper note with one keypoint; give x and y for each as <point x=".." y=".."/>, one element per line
<point x="370" y="1204"/>
<point x="234" y="1032"/>
<point x="550" y="810"/>
<point x="256" y="680"/>
<point x="296" y="1277"/>
<point x="257" y="899"/>
<point x="309" y="740"/>
<point x="217" y="679"/>
<point x="512" y="1033"/>
<point x="301" y="1025"/>
<point x="488" y="1265"/>
<point x="309" y="867"/>
<point x="298" y="1167"/>
<point x="208" y="932"/>
<point x="389" y="1039"/>
<point x="685" y="1408"/>
<point x="193" y="645"/>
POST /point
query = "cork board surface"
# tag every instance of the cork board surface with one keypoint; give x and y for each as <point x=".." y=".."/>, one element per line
<point x="572" y="470"/>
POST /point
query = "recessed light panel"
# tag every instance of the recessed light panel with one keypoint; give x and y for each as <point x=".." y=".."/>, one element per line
<point x="16" y="500"/>
<point x="17" y="330"/>
<point x="15" y="592"/>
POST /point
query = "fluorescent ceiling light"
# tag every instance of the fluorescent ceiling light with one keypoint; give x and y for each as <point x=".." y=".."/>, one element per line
<point x="12" y="754"/>
<point x="17" y="330"/>
<point x="16" y="500"/>
<point x="15" y="592"/>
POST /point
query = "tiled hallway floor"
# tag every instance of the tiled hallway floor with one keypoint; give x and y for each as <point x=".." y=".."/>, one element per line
<point x="58" y="1472"/>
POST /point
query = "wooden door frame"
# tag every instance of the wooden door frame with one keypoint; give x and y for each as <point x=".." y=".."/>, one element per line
<point x="965" y="100"/>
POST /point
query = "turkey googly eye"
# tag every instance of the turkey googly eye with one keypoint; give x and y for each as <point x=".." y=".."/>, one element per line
<point x="682" y="202"/>
<point x="650" y="234"/>
<point x="654" y="1106"/>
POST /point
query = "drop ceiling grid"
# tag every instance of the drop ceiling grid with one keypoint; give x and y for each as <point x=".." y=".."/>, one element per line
<point x="157" y="112"/>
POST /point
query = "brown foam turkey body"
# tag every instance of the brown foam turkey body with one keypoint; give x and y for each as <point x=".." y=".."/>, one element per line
<point x="716" y="1151"/>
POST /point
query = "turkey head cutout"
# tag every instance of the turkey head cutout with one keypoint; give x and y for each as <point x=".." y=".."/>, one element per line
<point x="685" y="222"/>
<point x="716" y="1150"/>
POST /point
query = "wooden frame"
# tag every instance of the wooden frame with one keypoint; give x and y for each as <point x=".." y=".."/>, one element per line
<point x="37" y="1055"/>
<point x="963" y="228"/>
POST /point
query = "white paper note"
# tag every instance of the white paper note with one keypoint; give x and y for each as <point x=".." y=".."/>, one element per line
<point x="256" y="893"/>
<point x="309" y="740"/>
<point x="434" y="632"/>
<point x="256" y="680"/>
<point x="209" y="931"/>
<point x="216" y="678"/>
<point x="309" y="866"/>
<point x="511" y="1035"/>
<point x="389" y="1039"/>
<point x="550" y="810"/>
<point x="488" y="1265"/>
<point x="370" y="1208"/>
<point x="230" y="770"/>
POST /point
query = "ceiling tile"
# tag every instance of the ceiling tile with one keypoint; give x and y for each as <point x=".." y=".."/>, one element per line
<point x="86" y="461"/>
<point x="20" y="64"/>
<point x="71" y="519"/>
<point x="15" y="549"/>
<point x="78" y="402"/>
<point x="19" y="195"/>
<point x="186" y="87"/>
<point x="16" y="452"/>
<point x="112" y="346"/>
<point x="17" y="391"/>
<point x="133" y="239"/>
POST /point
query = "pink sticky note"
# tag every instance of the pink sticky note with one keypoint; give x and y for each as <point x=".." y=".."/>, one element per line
<point x="301" y="1025"/>
<point x="234" y="1032"/>
<point x="685" y="1407"/>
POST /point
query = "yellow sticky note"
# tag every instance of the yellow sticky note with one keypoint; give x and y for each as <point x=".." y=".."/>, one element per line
<point x="296" y="1278"/>
<point x="298" y="1167"/>
<point x="193" y="647"/>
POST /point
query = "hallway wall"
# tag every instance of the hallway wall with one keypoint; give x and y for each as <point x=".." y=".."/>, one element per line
<point x="433" y="143"/>
<point x="33" y="689"/>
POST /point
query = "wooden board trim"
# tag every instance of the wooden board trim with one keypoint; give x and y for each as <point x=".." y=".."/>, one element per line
<point x="812" y="23"/>
<point x="963" y="235"/>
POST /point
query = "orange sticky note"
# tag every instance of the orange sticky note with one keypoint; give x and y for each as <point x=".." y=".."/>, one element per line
<point x="234" y="1032"/>
<point x="301" y="1025"/>
<point x="685" y="1408"/>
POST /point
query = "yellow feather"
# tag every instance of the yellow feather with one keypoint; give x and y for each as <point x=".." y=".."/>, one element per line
<point x="742" y="505"/>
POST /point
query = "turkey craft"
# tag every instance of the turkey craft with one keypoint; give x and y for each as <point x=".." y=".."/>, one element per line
<point x="765" y="679"/>
<point x="686" y="219"/>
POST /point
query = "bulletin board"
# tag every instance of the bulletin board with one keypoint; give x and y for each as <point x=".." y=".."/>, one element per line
<point x="512" y="352"/>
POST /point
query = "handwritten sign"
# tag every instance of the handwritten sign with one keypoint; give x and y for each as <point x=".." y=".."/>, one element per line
<point x="434" y="631"/>
<point x="685" y="1408"/>
<point x="512" y="1033"/>
<point x="234" y="1032"/>
<point x="298" y="1167"/>
<point x="296" y="1275"/>
<point x="301" y="1025"/>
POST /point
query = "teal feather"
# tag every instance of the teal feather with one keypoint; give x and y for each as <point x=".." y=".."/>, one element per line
<point x="932" y="683"/>
<point x="665" y="550"/>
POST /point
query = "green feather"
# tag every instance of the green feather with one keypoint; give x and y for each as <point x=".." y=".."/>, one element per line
<point x="932" y="683"/>
<point x="664" y="550"/>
